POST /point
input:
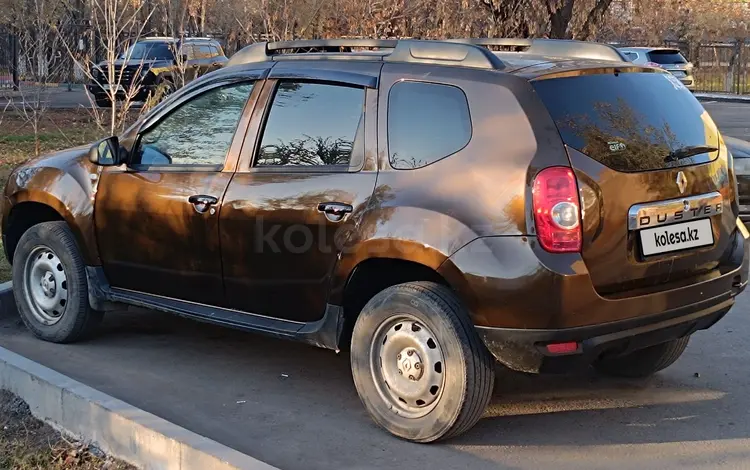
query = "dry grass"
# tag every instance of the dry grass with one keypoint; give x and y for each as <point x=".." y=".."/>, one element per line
<point x="58" y="129"/>
<point x="29" y="444"/>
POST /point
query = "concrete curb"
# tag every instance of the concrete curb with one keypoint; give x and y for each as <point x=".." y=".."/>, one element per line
<point x="119" y="429"/>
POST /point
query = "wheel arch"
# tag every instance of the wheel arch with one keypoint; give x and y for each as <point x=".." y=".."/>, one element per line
<point x="372" y="275"/>
<point x="31" y="207"/>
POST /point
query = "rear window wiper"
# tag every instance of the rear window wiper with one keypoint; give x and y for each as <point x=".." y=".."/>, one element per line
<point x="687" y="152"/>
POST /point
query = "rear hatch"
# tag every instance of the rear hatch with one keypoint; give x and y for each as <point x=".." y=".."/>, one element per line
<point x="671" y="60"/>
<point x="653" y="177"/>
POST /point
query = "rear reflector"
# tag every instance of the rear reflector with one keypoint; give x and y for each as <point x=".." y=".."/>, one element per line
<point x="557" y="210"/>
<point x="562" y="348"/>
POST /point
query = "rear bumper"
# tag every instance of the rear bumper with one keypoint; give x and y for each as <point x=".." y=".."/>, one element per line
<point x="523" y="298"/>
<point x="525" y="350"/>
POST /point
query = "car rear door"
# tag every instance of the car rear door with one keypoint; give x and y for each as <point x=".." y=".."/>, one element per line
<point x="300" y="187"/>
<point x="658" y="196"/>
<point x="157" y="217"/>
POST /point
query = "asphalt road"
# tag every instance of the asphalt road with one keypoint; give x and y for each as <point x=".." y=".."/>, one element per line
<point x="295" y="406"/>
<point x="54" y="98"/>
<point x="733" y="119"/>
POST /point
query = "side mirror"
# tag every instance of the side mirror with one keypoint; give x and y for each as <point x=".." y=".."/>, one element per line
<point x="105" y="152"/>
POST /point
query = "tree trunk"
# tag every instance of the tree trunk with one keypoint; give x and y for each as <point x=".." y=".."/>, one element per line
<point x="594" y="19"/>
<point x="559" y="18"/>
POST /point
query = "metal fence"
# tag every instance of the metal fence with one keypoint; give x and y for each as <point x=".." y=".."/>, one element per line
<point x="719" y="67"/>
<point x="722" y="67"/>
<point x="8" y="60"/>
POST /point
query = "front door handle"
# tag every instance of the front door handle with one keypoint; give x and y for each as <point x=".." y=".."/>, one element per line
<point x="334" y="211"/>
<point x="202" y="202"/>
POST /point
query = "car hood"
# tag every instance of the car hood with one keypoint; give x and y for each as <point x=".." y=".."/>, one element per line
<point x="60" y="159"/>
<point x="67" y="169"/>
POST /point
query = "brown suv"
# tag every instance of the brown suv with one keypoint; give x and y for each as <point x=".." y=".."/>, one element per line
<point x="427" y="205"/>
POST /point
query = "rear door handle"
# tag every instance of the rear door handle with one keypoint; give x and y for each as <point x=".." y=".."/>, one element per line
<point x="202" y="202"/>
<point x="334" y="211"/>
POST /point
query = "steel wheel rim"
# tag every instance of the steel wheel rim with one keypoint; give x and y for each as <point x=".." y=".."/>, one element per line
<point x="408" y="366"/>
<point x="46" y="285"/>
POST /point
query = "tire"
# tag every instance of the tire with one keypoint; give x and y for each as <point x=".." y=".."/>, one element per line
<point x="440" y="401"/>
<point x="48" y="266"/>
<point x="644" y="362"/>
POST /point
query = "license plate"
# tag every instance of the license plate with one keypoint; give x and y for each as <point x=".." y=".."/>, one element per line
<point x="116" y="87"/>
<point x="666" y="239"/>
<point x="679" y="74"/>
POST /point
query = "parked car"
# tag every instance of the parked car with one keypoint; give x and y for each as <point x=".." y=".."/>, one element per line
<point x="427" y="206"/>
<point x="666" y="58"/>
<point x="151" y="63"/>
<point x="740" y="150"/>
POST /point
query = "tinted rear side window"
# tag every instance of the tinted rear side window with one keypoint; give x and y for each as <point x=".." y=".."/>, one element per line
<point x="629" y="121"/>
<point x="666" y="57"/>
<point x="312" y="124"/>
<point x="426" y="122"/>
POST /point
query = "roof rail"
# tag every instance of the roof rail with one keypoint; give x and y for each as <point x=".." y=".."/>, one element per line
<point x="403" y="50"/>
<point x="553" y="47"/>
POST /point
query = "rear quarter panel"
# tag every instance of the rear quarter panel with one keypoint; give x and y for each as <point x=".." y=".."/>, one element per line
<point x="426" y="214"/>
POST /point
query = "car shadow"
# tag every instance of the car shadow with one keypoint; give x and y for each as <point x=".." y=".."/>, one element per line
<point x="582" y="409"/>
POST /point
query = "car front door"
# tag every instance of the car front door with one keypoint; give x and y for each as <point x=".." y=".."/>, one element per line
<point x="157" y="218"/>
<point x="298" y="193"/>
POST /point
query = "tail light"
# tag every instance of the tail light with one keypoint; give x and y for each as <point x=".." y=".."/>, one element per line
<point x="557" y="210"/>
<point x="654" y="64"/>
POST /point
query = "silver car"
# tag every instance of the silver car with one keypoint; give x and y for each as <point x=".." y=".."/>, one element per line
<point x="667" y="58"/>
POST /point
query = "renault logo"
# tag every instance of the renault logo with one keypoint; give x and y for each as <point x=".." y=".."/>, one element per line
<point x="681" y="182"/>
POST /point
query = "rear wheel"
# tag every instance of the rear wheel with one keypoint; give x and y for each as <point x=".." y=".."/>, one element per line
<point x="50" y="285"/>
<point x="643" y="362"/>
<point x="419" y="366"/>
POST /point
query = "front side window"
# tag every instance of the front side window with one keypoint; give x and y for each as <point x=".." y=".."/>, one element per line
<point x="187" y="52"/>
<point x="312" y="124"/>
<point x="199" y="132"/>
<point x="204" y="51"/>
<point x="426" y="122"/>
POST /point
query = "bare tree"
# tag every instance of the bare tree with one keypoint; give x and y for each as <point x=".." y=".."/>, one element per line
<point x="42" y="60"/>
<point x="118" y="24"/>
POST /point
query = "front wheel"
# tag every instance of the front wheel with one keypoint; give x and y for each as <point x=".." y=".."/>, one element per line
<point x="643" y="362"/>
<point x="418" y="364"/>
<point x="50" y="285"/>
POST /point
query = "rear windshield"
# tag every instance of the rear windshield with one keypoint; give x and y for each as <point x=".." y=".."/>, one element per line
<point x="630" y="121"/>
<point x="666" y="57"/>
